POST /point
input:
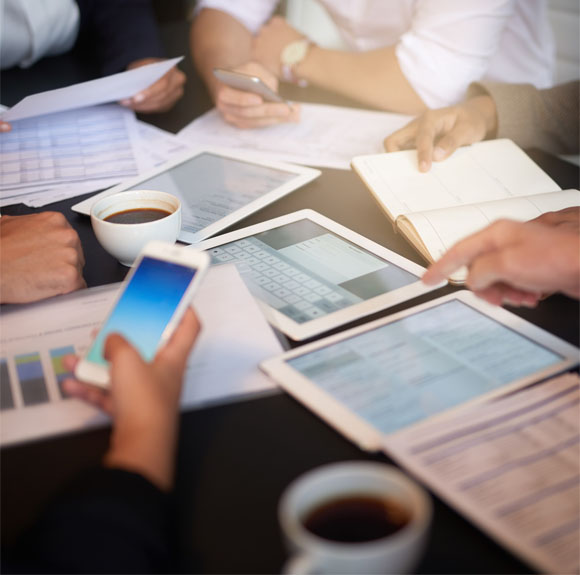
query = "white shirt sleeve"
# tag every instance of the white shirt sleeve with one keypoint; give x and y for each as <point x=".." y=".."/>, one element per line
<point x="253" y="14"/>
<point x="449" y="45"/>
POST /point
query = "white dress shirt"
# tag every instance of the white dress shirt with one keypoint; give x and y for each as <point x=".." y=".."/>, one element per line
<point x="31" y="29"/>
<point x="441" y="45"/>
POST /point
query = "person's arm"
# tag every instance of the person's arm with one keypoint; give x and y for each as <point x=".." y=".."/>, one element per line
<point x="40" y="257"/>
<point x="218" y="40"/>
<point x="373" y="77"/>
<point x="123" y="35"/>
<point x="516" y="262"/>
<point x="119" y="32"/>
<point x="447" y="45"/>
<point x="116" y="519"/>
<point x="547" y="119"/>
<point x="143" y="400"/>
<point x="436" y="134"/>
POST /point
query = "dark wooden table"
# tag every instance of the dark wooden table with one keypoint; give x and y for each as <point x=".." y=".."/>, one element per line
<point x="235" y="460"/>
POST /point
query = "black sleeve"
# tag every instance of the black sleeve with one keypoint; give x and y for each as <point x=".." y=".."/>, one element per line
<point x="107" y="521"/>
<point x="118" y="32"/>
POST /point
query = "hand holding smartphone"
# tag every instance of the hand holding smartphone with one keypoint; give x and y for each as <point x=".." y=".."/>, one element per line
<point x="248" y="83"/>
<point x="149" y="307"/>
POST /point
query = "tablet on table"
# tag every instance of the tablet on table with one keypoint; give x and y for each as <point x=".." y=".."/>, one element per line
<point x="311" y="274"/>
<point x="390" y="374"/>
<point x="217" y="188"/>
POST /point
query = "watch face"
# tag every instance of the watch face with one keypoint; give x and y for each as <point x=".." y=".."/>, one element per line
<point x="294" y="52"/>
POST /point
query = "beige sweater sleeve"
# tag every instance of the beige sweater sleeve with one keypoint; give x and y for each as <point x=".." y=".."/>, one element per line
<point x="546" y="119"/>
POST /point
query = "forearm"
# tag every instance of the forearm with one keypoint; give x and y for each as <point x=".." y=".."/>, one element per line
<point x="148" y="450"/>
<point x="546" y="119"/>
<point x="218" y="41"/>
<point x="373" y="78"/>
<point x="119" y="32"/>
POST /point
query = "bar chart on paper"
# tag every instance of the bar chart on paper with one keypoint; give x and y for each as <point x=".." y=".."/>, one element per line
<point x="33" y="378"/>
<point x="32" y="370"/>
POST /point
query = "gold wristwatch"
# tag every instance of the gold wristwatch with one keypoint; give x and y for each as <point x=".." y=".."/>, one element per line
<point x="291" y="56"/>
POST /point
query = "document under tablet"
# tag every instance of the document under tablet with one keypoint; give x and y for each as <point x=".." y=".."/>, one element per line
<point x="403" y="371"/>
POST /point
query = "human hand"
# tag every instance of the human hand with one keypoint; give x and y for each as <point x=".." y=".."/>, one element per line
<point x="5" y="127"/>
<point x="436" y="134"/>
<point x="143" y="400"/>
<point x="248" y="110"/>
<point x="515" y="262"/>
<point x="40" y="256"/>
<point x="268" y="43"/>
<point x="569" y="217"/>
<point x="158" y="97"/>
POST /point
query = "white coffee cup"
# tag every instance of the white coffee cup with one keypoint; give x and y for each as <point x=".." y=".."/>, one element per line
<point x="125" y="241"/>
<point x="398" y="552"/>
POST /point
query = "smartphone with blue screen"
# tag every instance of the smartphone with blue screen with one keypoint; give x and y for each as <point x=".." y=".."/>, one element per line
<point x="149" y="307"/>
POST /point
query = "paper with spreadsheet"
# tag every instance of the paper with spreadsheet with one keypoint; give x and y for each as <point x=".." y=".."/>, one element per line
<point x="512" y="466"/>
<point x="34" y="338"/>
<point x="58" y="156"/>
<point x="93" y="144"/>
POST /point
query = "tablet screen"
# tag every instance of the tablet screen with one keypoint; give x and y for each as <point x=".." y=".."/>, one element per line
<point x="305" y="271"/>
<point x="211" y="187"/>
<point x="402" y="372"/>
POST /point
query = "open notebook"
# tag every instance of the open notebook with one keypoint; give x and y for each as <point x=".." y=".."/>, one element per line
<point x="476" y="186"/>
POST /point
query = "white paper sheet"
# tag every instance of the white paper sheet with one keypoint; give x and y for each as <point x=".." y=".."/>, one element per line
<point x="327" y="136"/>
<point x="140" y="147"/>
<point x="95" y="144"/>
<point x="224" y="364"/>
<point x="109" y="89"/>
<point x="512" y="466"/>
<point x="158" y="146"/>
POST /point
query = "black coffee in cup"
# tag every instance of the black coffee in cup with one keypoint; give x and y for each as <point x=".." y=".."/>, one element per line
<point x="356" y="519"/>
<point x="137" y="216"/>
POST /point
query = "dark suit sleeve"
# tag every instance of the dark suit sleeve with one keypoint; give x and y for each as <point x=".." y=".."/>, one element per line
<point x="107" y="521"/>
<point x="118" y="32"/>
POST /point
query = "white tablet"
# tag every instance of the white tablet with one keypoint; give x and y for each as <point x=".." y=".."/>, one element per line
<point x="377" y="379"/>
<point x="311" y="274"/>
<point x="217" y="188"/>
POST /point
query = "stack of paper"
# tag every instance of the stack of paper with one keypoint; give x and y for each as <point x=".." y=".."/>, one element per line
<point x="64" y="144"/>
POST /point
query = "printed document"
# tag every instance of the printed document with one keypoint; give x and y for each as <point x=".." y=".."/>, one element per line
<point x="40" y="154"/>
<point x="512" y="466"/>
<point x="327" y="136"/>
<point x="34" y="338"/>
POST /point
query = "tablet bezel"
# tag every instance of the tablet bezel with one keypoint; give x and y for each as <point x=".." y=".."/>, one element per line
<point x="302" y="176"/>
<point x="301" y="331"/>
<point x="362" y="433"/>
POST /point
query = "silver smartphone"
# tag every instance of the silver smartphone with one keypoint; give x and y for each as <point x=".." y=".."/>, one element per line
<point x="149" y="307"/>
<point x="248" y="83"/>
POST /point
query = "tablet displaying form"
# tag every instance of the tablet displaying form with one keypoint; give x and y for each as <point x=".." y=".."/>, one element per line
<point x="311" y="274"/>
<point x="385" y="376"/>
<point x="216" y="188"/>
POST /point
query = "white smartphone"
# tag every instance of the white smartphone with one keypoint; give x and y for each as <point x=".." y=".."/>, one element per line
<point x="149" y="307"/>
<point x="248" y="83"/>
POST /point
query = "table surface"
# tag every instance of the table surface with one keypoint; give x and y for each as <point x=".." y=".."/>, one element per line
<point x="235" y="460"/>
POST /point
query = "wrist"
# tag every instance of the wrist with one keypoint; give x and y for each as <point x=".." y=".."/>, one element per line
<point x="485" y="108"/>
<point x="291" y="58"/>
<point x="149" y="452"/>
